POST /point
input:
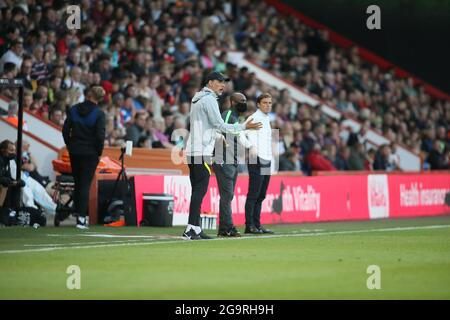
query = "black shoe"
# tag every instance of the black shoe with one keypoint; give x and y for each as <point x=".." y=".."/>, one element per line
<point x="191" y="235"/>
<point x="231" y="232"/>
<point x="61" y="214"/>
<point x="263" y="230"/>
<point x="252" y="230"/>
<point x="204" y="236"/>
<point x="56" y="221"/>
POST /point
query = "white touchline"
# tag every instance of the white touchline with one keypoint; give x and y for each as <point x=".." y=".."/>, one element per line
<point x="228" y="239"/>
<point x="104" y="235"/>
<point x="76" y="243"/>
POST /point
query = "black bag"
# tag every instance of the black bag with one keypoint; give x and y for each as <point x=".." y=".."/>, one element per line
<point x="27" y="216"/>
<point x="116" y="208"/>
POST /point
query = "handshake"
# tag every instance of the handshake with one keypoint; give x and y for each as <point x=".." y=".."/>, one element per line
<point x="8" y="182"/>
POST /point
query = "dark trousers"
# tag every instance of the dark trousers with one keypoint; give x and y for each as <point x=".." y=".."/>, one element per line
<point x="199" y="173"/>
<point x="257" y="188"/>
<point x="226" y="176"/>
<point x="10" y="196"/>
<point x="83" y="170"/>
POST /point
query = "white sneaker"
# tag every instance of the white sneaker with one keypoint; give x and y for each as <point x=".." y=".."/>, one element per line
<point x="82" y="226"/>
<point x="82" y="223"/>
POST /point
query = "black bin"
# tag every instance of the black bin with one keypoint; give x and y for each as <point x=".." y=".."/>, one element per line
<point x="158" y="210"/>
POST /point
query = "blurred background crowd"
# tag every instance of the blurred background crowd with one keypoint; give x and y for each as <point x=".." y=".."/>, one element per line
<point x="151" y="57"/>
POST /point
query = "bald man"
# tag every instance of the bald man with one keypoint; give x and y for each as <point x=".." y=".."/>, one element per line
<point x="227" y="153"/>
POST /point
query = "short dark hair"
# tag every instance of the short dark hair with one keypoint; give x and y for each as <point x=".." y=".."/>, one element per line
<point x="139" y="114"/>
<point x="5" y="144"/>
<point x="8" y="67"/>
<point x="142" y="139"/>
<point x="263" y="96"/>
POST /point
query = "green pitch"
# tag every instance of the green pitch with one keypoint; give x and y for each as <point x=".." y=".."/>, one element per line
<point x="306" y="261"/>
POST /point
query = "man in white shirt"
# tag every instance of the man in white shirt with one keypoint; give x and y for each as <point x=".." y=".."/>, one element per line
<point x="13" y="55"/>
<point x="259" y="168"/>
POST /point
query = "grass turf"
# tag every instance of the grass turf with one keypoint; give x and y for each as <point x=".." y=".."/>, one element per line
<point x="306" y="261"/>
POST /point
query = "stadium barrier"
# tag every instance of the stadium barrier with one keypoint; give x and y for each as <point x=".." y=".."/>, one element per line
<point x="296" y="199"/>
<point x="44" y="128"/>
<point x="40" y="148"/>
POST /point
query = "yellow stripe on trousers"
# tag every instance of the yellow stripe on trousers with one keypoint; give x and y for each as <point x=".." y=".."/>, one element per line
<point x="207" y="167"/>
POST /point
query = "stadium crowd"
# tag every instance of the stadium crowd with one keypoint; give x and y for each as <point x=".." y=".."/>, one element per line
<point x="151" y="57"/>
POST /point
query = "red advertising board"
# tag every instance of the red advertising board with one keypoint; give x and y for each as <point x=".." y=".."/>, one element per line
<point x="418" y="195"/>
<point x="292" y="199"/>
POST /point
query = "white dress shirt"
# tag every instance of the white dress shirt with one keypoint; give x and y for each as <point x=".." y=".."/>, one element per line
<point x="262" y="138"/>
<point x="10" y="56"/>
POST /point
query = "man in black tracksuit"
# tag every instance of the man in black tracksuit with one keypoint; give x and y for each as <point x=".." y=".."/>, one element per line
<point x="226" y="159"/>
<point x="84" y="136"/>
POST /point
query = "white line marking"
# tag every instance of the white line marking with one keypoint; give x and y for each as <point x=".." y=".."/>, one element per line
<point x="75" y="243"/>
<point x="104" y="235"/>
<point x="227" y="239"/>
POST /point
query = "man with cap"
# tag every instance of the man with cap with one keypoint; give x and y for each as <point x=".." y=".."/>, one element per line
<point x="226" y="158"/>
<point x="205" y="123"/>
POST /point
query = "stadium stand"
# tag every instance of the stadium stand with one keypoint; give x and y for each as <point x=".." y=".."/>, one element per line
<point x="151" y="56"/>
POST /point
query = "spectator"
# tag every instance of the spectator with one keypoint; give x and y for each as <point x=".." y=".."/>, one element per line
<point x="12" y="117"/>
<point x="370" y="159"/>
<point x="360" y="137"/>
<point x="40" y="97"/>
<point x="330" y="152"/>
<point x="9" y="70"/>
<point x="341" y="162"/>
<point x="316" y="160"/>
<point x="27" y="99"/>
<point x="136" y="130"/>
<point x="357" y="156"/>
<point x="39" y="70"/>
<point x="7" y="155"/>
<point x="25" y="72"/>
<point x="144" y="142"/>
<point x="33" y="193"/>
<point x="127" y="111"/>
<point x="132" y="93"/>
<point x="394" y="158"/>
<point x="382" y="156"/>
<point x="160" y="140"/>
<point x="53" y="88"/>
<point x="13" y="55"/>
<point x="179" y="134"/>
<point x="174" y="40"/>
<point x="436" y="158"/>
<point x="74" y="82"/>
<point x="11" y="34"/>
<point x="56" y="116"/>
<point x="29" y="165"/>
<point x="289" y="161"/>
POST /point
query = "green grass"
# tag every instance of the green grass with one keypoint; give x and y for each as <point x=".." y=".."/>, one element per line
<point x="307" y="261"/>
